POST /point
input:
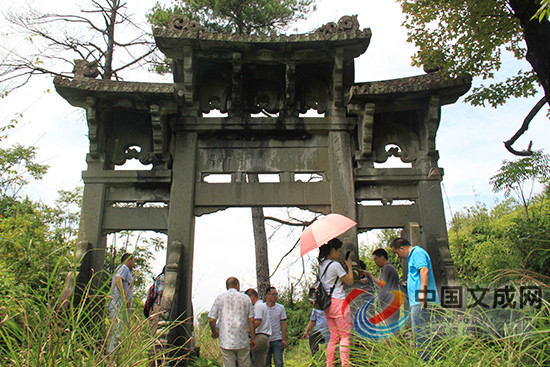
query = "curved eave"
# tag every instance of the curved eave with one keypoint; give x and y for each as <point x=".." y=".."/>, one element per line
<point x="410" y="89"/>
<point x="171" y="42"/>
<point x="78" y="91"/>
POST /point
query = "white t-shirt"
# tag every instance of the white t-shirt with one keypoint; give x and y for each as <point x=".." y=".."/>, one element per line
<point x="261" y="313"/>
<point x="335" y="270"/>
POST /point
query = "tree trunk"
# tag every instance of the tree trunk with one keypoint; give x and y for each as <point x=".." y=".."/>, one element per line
<point x="260" y="241"/>
<point x="537" y="38"/>
<point x="108" y="69"/>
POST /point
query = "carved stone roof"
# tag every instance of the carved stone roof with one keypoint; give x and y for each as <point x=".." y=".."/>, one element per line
<point x="449" y="89"/>
<point x="346" y="32"/>
<point x="76" y="90"/>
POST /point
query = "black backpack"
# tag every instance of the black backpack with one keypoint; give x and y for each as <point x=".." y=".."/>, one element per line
<point x="151" y="298"/>
<point x="318" y="296"/>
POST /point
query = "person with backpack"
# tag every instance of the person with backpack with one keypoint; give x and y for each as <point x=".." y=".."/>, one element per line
<point x="158" y="290"/>
<point x="333" y="279"/>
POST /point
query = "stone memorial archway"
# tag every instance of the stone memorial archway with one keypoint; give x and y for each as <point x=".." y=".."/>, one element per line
<point x="262" y="85"/>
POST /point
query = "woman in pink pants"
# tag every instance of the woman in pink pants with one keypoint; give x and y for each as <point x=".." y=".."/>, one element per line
<point x="330" y="255"/>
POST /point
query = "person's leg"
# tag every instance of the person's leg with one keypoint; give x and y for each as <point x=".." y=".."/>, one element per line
<point x="278" y="353"/>
<point x="343" y="329"/>
<point x="260" y="354"/>
<point x="229" y="358"/>
<point x="334" y="341"/>
<point x="118" y="317"/>
<point x="243" y="357"/>
<point x="269" y="355"/>
<point x="420" y="329"/>
<point x="315" y="337"/>
<point x="154" y="318"/>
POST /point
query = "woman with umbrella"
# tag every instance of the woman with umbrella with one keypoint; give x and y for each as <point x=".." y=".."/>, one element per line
<point x="330" y="255"/>
<point x="322" y="234"/>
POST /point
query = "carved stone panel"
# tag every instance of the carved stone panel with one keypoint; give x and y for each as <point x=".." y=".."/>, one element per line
<point x="129" y="136"/>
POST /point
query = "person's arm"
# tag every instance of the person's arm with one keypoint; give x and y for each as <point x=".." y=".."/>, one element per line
<point x="283" y="331"/>
<point x="380" y="282"/>
<point x="120" y="286"/>
<point x="423" y="294"/>
<point x="348" y="278"/>
<point x="215" y="332"/>
<point x="252" y="332"/>
<point x="257" y="323"/>
<point x="309" y="326"/>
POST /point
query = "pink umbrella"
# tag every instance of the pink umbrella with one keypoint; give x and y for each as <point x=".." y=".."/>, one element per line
<point x="323" y="230"/>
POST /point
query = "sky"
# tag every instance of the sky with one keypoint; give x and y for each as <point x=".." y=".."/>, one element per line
<point x="469" y="141"/>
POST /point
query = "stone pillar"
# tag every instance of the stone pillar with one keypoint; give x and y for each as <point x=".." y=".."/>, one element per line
<point x="434" y="231"/>
<point x="342" y="186"/>
<point x="176" y="301"/>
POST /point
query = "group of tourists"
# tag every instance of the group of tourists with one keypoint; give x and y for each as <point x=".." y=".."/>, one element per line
<point x="420" y="284"/>
<point x="248" y="328"/>
<point x="254" y="332"/>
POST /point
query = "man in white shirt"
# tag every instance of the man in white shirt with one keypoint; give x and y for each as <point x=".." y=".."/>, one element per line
<point x="263" y="328"/>
<point x="232" y="312"/>
<point x="277" y="340"/>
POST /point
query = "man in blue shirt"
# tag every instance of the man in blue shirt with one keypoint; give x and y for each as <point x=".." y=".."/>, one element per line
<point x="120" y="299"/>
<point x="321" y="333"/>
<point x="421" y="288"/>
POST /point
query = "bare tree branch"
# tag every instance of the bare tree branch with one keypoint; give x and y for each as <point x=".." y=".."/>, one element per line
<point x="524" y="127"/>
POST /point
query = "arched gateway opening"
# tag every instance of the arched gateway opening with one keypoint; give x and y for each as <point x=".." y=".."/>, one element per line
<point x="281" y="77"/>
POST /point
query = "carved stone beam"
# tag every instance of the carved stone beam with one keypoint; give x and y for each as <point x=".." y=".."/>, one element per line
<point x="93" y="127"/>
<point x="338" y="81"/>
<point x="290" y="81"/>
<point x="365" y="129"/>
<point x="188" y="76"/>
<point x="429" y="130"/>
<point x="237" y="85"/>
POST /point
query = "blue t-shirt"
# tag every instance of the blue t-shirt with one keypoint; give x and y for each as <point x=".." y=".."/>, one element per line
<point x="418" y="258"/>
<point x="321" y="323"/>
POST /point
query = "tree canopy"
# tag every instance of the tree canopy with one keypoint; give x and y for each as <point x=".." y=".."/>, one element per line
<point x="472" y="37"/>
<point x="236" y="16"/>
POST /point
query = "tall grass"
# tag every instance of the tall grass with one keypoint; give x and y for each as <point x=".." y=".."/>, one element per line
<point x="35" y="332"/>
<point x="466" y="339"/>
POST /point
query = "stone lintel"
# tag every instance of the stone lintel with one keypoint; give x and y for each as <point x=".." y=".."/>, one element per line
<point x="308" y="124"/>
<point x="127" y="176"/>
<point x="135" y="219"/>
<point x="262" y="194"/>
<point x="381" y="175"/>
<point x="386" y="216"/>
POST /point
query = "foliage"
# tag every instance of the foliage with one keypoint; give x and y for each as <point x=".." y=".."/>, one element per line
<point x="483" y="241"/>
<point x="470" y="37"/>
<point x="512" y="176"/>
<point x="17" y="168"/>
<point x="236" y="16"/>
<point x="544" y="11"/>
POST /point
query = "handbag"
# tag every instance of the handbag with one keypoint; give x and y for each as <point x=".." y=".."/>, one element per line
<point x="318" y="296"/>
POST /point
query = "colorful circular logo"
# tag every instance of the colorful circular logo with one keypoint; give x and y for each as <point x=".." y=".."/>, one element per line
<point x="375" y="327"/>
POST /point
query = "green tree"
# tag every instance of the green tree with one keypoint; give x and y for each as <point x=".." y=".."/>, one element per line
<point x="462" y="36"/>
<point x="514" y="175"/>
<point x="17" y="168"/>
<point x="236" y="16"/>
